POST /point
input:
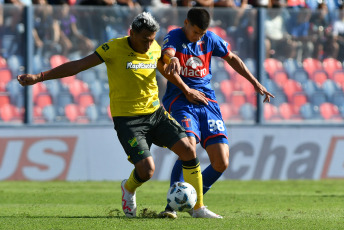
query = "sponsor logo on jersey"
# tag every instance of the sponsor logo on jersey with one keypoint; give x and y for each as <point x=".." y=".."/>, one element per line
<point x="165" y="41"/>
<point x="186" y="122"/>
<point x="193" y="68"/>
<point x="141" y="65"/>
<point x="105" y="47"/>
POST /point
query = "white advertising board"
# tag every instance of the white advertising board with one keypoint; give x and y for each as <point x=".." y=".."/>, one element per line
<point x="94" y="153"/>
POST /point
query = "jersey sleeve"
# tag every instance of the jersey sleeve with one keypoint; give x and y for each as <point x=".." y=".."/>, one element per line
<point x="169" y="42"/>
<point x="221" y="47"/>
<point x="103" y="51"/>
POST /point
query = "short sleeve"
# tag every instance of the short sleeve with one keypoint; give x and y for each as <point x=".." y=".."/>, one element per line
<point x="103" y="51"/>
<point x="169" y="42"/>
<point x="221" y="47"/>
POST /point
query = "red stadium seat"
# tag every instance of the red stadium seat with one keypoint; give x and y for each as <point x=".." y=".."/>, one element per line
<point x="37" y="115"/>
<point x="9" y="112"/>
<point x="4" y="99"/>
<point x="230" y="112"/>
<point x="43" y="100"/>
<point x="329" y="111"/>
<point x="270" y="112"/>
<point x="331" y="65"/>
<point x="226" y="111"/>
<point x="338" y="77"/>
<point x="3" y="63"/>
<point x="38" y="89"/>
<point x="280" y="77"/>
<point x="77" y="87"/>
<point x="219" y="31"/>
<point x="319" y="77"/>
<point x="298" y="100"/>
<point x="272" y="65"/>
<point x="57" y="60"/>
<point x="290" y="87"/>
<point x="238" y="99"/>
<point x="5" y="77"/>
<point x="311" y="65"/>
<point x="286" y="111"/>
<point x="172" y="27"/>
<point x="72" y="112"/>
<point x="226" y="87"/>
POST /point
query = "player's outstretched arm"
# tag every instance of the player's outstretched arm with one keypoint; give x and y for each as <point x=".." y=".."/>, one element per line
<point x="65" y="70"/>
<point x="239" y="66"/>
<point x="194" y="96"/>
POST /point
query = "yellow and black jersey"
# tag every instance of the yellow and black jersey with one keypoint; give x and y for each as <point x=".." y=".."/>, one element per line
<point x="132" y="77"/>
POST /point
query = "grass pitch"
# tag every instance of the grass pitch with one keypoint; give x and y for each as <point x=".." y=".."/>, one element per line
<point x="244" y="205"/>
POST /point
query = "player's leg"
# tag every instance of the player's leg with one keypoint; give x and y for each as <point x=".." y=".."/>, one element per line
<point x="131" y="133"/>
<point x="177" y="170"/>
<point x="219" y="159"/>
<point x="142" y="172"/>
<point x="180" y="144"/>
<point x="215" y="142"/>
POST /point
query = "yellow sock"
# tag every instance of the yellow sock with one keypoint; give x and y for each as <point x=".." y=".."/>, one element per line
<point x="192" y="175"/>
<point x="133" y="182"/>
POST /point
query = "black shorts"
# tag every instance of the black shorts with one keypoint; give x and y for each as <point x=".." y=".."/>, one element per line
<point x="138" y="133"/>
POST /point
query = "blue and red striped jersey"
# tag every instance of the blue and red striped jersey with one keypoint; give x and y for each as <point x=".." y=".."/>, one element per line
<point x="195" y="61"/>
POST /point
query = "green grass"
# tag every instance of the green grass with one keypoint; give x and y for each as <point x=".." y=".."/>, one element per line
<point x="244" y="205"/>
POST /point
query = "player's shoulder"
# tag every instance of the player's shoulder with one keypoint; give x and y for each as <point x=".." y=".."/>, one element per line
<point x="117" y="41"/>
<point x="175" y="33"/>
<point x="155" y="46"/>
<point x="211" y="35"/>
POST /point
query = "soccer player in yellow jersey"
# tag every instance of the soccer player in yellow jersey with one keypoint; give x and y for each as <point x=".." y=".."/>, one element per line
<point x="137" y="115"/>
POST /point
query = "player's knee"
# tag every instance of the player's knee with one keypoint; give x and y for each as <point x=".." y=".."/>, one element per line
<point x="148" y="173"/>
<point x="189" y="150"/>
<point x="221" y="164"/>
<point x="184" y="149"/>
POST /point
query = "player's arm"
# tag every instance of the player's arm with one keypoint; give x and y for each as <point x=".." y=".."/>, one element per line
<point x="239" y="66"/>
<point x="192" y="95"/>
<point x="173" y="65"/>
<point x="65" y="70"/>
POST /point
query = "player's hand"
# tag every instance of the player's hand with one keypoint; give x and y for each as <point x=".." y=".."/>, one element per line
<point x="173" y="67"/>
<point x="262" y="91"/>
<point x="195" y="97"/>
<point x="28" y="79"/>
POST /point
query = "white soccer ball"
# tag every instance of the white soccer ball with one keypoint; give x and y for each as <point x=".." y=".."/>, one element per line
<point x="181" y="196"/>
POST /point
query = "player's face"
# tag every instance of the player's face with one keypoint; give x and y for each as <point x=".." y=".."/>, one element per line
<point x="192" y="32"/>
<point x="141" y="41"/>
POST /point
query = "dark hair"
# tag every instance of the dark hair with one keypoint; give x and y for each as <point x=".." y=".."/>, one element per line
<point x="199" y="17"/>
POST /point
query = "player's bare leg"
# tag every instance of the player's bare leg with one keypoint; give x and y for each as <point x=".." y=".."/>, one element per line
<point x="143" y="171"/>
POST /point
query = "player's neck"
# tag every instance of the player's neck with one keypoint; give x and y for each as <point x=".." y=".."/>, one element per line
<point x="130" y="44"/>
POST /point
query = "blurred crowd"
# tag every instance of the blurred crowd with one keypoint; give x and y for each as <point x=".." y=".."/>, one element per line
<point x="310" y="4"/>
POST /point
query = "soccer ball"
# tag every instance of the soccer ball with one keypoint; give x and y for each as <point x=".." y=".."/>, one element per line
<point x="181" y="196"/>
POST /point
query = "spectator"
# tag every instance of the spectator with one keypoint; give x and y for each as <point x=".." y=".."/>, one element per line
<point x="299" y="30"/>
<point x="320" y="28"/>
<point x="46" y="30"/>
<point x="278" y="42"/>
<point x="338" y="33"/>
<point x="98" y="2"/>
<point x="70" y="34"/>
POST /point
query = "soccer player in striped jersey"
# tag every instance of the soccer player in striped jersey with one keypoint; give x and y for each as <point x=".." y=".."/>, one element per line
<point x="190" y="99"/>
<point x="138" y="117"/>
